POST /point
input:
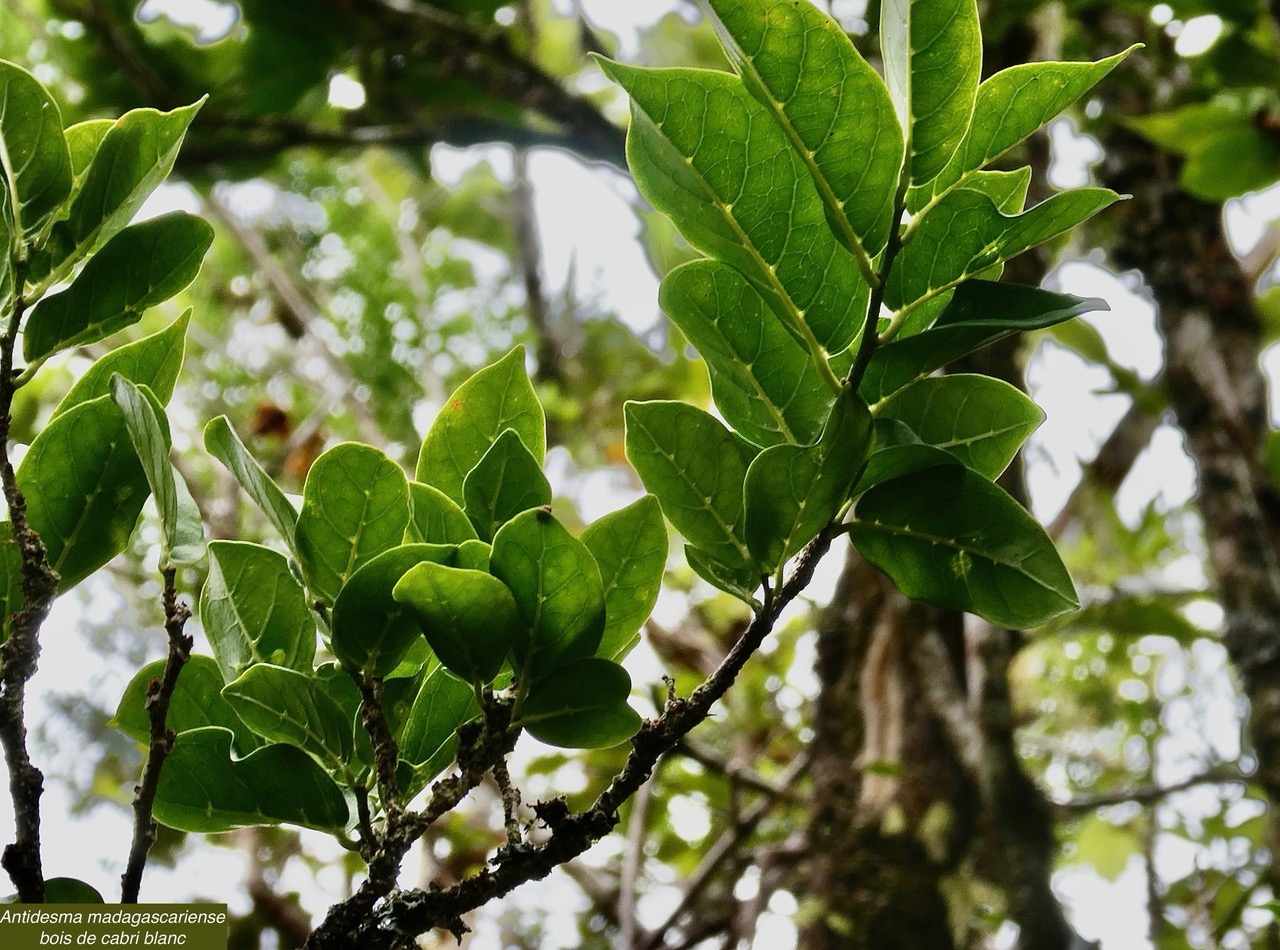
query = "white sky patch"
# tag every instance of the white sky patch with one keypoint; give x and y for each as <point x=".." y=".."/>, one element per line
<point x="209" y="20"/>
<point x="1129" y="327"/>
<point x="1198" y="35"/>
<point x="346" y="93"/>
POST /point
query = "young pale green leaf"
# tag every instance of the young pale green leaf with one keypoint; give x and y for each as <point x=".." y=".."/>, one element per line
<point x="143" y="265"/>
<point x="371" y="630"/>
<point x="437" y="519"/>
<point x="558" y="592"/>
<point x="497" y="398"/>
<point x="253" y="611"/>
<point x="355" y="505"/>
<point x="630" y="548"/>
<point x="833" y="107"/>
<point x="979" y="313"/>
<point x="793" y="491"/>
<point x="33" y="151"/>
<point x="133" y="157"/>
<point x="83" y="141"/>
<point x="473" y="555"/>
<point x="932" y="53"/>
<point x="583" y="706"/>
<point x="981" y="421"/>
<point x="1007" y="189"/>
<point x="1016" y="102"/>
<point x="764" y="382"/>
<point x="429" y="740"/>
<point x="965" y="233"/>
<point x="181" y="528"/>
<point x="505" y="482"/>
<point x="469" y="617"/>
<point x="221" y="441"/>
<point x="154" y="362"/>
<point x="205" y="791"/>
<point x="283" y="705"/>
<point x="950" y="537"/>
<point x="741" y="581"/>
<point x="10" y="578"/>
<point x="695" y="468"/>
<point x="84" y="488"/>
<point x="196" y="703"/>
<point x="708" y="155"/>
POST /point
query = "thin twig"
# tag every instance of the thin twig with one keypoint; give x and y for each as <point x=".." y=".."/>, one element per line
<point x="159" y="695"/>
<point x="1147" y="794"/>
<point x="510" y="803"/>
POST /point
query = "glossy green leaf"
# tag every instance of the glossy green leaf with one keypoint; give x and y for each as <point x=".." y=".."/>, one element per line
<point x="355" y="505"/>
<point x="83" y="141"/>
<point x="980" y="313"/>
<point x="283" y="705"/>
<point x="711" y="157"/>
<point x="980" y="420"/>
<point x="695" y="468"/>
<point x="793" y="491"/>
<point x="196" y="702"/>
<point x="84" y="488"/>
<point x="833" y="107"/>
<point x="221" y="441"/>
<point x="204" y="790"/>
<point x="505" y="482"/>
<point x="1017" y="101"/>
<point x="473" y="555"/>
<point x="557" y="589"/>
<point x="181" y="528"/>
<point x="33" y="150"/>
<point x="497" y="398"/>
<point x="764" y="382"/>
<point x="254" y="611"/>
<point x="140" y="267"/>
<point x="932" y="53"/>
<point x="1007" y="189"/>
<point x="965" y="232"/>
<point x="154" y="362"/>
<point x="630" y="548"/>
<point x="372" y="631"/>
<point x="10" y="579"/>
<point x="888" y="462"/>
<point x="133" y="157"/>
<point x="583" y="706"/>
<point x="437" y="518"/>
<point x="950" y="537"/>
<point x="342" y="689"/>
<point x="742" y="581"/>
<point x="469" y="617"/>
<point x="429" y="743"/>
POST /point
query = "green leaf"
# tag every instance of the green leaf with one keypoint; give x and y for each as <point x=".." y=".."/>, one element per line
<point x="473" y="555"/>
<point x="932" y="53"/>
<point x="707" y="154"/>
<point x="894" y="461"/>
<point x="1017" y="101"/>
<point x="10" y="579"/>
<point x="181" y="528"/>
<point x="429" y="742"/>
<point x="140" y="267"/>
<point x="437" y="519"/>
<point x="742" y="581"/>
<point x="283" y="705"/>
<point x="497" y="398"/>
<point x="557" y="589"/>
<point x="630" y="548"/>
<point x="372" y="631"/>
<point x="965" y="233"/>
<point x="154" y="362"/>
<point x="221" y="441"/>
<point x="584" y="706"/>
<point x="1007" y="189"/>
<point x="84" y="488"/>
<point x="833" y="107"/>
<point x="981" y="421"/>
<point x="764" y="382"/>
<point x="950" y="537"/>
<point x="355" y="505"/>
<point x="33" y="150"/>
<point x="793" y="491"/>
<point x="204" y="790"/>
<point x="1246" y="158"/>
<point x="83" y="142"/>
<point x="505" y="482"/>
<point x="134" y="156"/>
<point x="980" y="313"/>
<point x="469" y="617"/>
<point x="254" y="611"/>
<point x="695" y="468"/>
<point x="69" y="890"/>
<point x="197" y="702"/>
